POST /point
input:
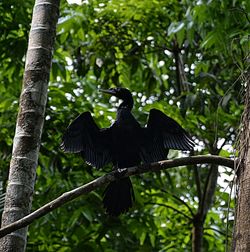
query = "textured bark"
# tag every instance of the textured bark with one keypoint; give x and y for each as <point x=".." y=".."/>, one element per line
<point x="154" y="167"/>
<point x="241" y="239"/>
<point x="29" y="122"/>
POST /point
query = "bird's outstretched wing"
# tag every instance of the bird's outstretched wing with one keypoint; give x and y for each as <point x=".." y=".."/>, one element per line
<point x="83" y="136"/>
<point x="163" y="133"/>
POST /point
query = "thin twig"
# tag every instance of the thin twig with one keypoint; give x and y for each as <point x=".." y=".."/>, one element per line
<point x="218" y="231"/>
<point x="180" y="200"/>
<point x="170" y="207"/>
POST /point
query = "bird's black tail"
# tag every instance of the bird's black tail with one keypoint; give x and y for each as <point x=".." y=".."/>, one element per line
<point x="118" y="196"/>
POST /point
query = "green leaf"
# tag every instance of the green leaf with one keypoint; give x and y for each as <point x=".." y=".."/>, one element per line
<point x="152" y="239"/>
<point x="142" y="237"/>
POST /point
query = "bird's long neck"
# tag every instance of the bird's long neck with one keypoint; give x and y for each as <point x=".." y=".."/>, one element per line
<point x="127" y="104"/>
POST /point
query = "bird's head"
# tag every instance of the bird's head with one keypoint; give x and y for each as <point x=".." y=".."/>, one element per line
<point x="121" y="93"/>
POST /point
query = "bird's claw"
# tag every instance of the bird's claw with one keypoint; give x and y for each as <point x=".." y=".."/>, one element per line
<point x="120" y="172"/>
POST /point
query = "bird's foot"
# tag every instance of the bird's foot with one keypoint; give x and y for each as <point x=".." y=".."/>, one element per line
<point x="120" y="172"/>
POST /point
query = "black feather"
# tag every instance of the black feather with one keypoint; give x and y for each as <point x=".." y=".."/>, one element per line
<point x="125" y="143"/>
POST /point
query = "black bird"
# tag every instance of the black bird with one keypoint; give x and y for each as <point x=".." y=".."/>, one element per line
<point x="124" y="144"/>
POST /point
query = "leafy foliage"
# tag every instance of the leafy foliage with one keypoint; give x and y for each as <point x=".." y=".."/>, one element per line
<point x="182" y="57"/>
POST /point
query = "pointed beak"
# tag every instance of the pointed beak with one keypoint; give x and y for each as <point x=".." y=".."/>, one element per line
<point x="108" y="91"/>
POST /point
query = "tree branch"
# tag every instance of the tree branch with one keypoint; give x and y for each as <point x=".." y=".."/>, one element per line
<point x="209" y="190"/>
<point x="99" y="182"/>
<point x="197" y="182"/>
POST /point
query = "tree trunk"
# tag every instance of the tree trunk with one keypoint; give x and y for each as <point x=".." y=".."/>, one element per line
<point x="241" y="238"/>
<point x="204" y="206"/>
<point x="30" y="120"/>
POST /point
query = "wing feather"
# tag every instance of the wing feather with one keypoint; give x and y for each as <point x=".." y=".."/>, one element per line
<point x="163" y="133"/>
<point x="84" y="136"/>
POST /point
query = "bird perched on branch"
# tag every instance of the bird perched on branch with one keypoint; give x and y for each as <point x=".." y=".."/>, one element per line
<point x="124" y="144"/>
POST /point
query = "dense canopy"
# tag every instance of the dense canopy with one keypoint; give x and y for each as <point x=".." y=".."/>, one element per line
<point x="186" y="58"/>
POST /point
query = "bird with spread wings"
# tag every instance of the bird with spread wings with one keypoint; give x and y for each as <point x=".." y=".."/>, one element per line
<point x="124" y="144"/>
